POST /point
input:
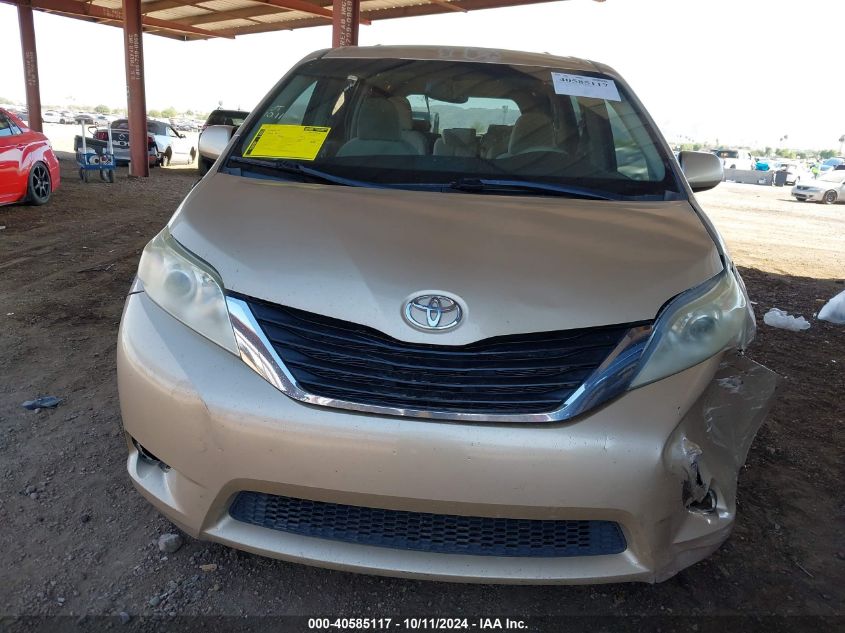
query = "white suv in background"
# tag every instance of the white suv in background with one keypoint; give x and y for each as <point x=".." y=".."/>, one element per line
<point x="735" y="158"/>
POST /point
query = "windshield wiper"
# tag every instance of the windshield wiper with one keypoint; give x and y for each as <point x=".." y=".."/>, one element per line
<point x="475" y="185"/>
<point x="297" y="169"/>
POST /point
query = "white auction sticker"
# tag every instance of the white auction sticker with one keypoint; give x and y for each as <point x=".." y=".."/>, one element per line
<point x="584" y="86"/>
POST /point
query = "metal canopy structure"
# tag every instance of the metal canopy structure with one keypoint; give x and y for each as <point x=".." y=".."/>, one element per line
<point x="205" y="19"/>
<point x="193" y="20"/>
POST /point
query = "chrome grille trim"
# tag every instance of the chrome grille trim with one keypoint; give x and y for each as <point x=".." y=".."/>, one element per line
<point x="258" y="353"/>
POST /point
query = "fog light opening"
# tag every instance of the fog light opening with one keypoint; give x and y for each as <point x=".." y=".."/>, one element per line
<point x="148" y="457"/>
<point x="707" y="505"/>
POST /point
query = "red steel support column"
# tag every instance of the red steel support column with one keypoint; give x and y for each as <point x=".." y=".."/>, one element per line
<point x="30" y="68"/>
<point x="345" y="18"/>
<point x="135" y="95"/>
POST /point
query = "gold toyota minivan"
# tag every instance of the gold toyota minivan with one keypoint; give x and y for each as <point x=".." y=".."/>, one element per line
<point x="445" y="313"/>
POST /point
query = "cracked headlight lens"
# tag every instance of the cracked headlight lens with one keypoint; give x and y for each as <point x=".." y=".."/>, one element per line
<point x="696" y="325"/>
<point x="187" y="288"/>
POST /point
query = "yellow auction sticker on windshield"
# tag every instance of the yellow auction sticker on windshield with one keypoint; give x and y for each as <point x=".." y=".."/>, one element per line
<point x="297" y="142"/>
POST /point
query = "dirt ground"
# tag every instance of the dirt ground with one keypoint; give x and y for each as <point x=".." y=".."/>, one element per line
<point x="77" y="540"/>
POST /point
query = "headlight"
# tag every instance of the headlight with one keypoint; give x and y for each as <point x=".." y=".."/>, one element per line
<point x="188" y="288"/>
<point x="696" y="325"/>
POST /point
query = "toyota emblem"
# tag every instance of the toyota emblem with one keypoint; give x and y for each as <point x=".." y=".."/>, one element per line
<point x="433" y="312"/>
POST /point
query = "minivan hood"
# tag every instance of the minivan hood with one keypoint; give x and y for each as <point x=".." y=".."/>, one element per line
<point x="518" y="264"/>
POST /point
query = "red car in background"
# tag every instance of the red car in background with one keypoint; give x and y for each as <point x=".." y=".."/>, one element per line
<point x="29" y="169"/>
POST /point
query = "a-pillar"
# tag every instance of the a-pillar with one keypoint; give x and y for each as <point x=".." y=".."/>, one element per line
<point x="136" y="99"/>
<point x="30" y="68"/>
<point x="345" y="19"/>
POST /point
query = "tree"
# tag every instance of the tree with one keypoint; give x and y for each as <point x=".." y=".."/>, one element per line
<point x="5" y="100"/>
<point x="827" y="153"/>
<point x="155" y="114"/>
<point x="169" y="113"/>
<point x="102" y="109"/>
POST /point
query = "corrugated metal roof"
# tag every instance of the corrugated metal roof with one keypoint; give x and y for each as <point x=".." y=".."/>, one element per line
<point x="202" y="19"/>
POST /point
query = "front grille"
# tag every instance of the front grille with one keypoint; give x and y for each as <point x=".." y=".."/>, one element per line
<point x="522" y="373"/>
<point x="424" y="532"/>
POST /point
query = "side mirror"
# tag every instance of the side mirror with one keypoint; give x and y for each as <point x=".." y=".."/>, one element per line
<point x="703" y="170"/>
<point x="214" y="140"/>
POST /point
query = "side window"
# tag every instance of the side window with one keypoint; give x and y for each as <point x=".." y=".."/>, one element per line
<point x="5" y="126"/>
<point x="172" y="133"/>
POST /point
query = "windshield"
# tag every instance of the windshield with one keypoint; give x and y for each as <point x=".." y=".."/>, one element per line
<point x="727" y="153"/>
<point x="392" y="122"/>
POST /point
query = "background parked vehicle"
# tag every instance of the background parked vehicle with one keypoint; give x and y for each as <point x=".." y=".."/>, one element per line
<point x="51" y="116"/>
<point x="83" y="117"/>
<point x="226" y="117"/>
<point x="171" y="146"/>
<point x="831" y="164"/>
<point x="795" y="172"/>
<point x="120" y="142"/>
<point x="735" y="158"/>
<point x="828" y="188"/>
<point x="233" y="118"/>
<point x="29" y="169"/>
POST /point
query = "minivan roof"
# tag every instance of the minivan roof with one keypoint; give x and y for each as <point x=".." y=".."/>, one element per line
<point x="471" y="54"/>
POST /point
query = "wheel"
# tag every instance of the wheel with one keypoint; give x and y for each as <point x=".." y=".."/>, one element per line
<point x="107" y="175"/>
<point x="39" y="187"/>
<point x="86" y="175"/>
<point x="61" y="121"/>
<point x="193" y="156"/>
<point x="81" y="174"/>
<point x="829" y="197"/>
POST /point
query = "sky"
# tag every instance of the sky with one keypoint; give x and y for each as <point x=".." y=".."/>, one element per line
<point x="727" y="71"/>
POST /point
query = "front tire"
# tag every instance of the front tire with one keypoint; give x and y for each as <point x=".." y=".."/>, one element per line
<point x="829" y="197"/>
<point x="39" y="185"/>
<point x="205" y="165"/>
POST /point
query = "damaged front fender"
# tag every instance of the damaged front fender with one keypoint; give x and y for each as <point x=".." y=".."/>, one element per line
<point x="705" y="453"/>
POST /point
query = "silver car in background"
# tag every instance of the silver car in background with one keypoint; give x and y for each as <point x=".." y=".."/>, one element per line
<point x="829" y="188"/>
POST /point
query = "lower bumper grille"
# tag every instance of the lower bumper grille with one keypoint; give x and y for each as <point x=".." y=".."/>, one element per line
<point x="435" y="533"/>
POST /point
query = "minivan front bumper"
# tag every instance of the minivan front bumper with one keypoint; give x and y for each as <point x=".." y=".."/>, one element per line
<point x="647" y="461"/>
